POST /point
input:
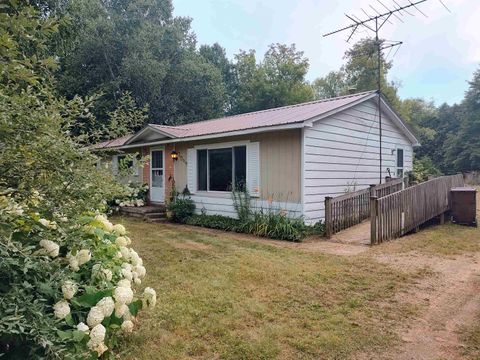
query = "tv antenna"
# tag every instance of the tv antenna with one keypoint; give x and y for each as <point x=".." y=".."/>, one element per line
<point x="374" y="23"/>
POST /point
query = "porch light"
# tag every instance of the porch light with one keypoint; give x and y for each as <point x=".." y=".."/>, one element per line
<point x="174" y="155"/>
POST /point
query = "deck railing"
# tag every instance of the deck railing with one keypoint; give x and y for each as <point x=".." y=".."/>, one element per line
<point x="398" y="213"/>
<point x="350" y="209"/>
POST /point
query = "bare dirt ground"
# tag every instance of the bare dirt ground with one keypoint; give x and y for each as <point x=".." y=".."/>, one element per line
<point x="449" y="301"/>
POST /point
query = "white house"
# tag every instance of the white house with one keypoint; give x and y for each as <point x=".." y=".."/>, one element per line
<point x="289" y="157"/>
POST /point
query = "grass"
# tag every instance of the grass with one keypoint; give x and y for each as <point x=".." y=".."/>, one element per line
<point x="441" y="240"/>
<point x="221" y="297"/>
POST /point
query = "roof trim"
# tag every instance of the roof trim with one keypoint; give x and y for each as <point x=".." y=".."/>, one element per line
<point x="146" y="128"/>
<point x="297" y="125"/>
<point x="407" y="129"/>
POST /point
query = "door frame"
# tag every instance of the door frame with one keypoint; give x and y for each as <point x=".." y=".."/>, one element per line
<point x="157" y="148"/>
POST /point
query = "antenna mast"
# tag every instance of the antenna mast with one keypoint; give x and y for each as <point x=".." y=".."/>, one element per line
<point x="375" y="24"/>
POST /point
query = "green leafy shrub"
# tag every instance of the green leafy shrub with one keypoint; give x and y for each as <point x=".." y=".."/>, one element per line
<point x="274" y="225"/>
<point x="215" y="222"/>
<point x="68" y="285"/>
<point x="181" y="208"/>
<point x="423" y="168"/>
<point x="68" y="278"/>
<point x="317" y="229"/>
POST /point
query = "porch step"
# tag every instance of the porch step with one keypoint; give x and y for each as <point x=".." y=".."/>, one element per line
<point x="150" y="213"/>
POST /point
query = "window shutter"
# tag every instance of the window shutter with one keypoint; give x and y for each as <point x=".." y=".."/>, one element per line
<point x="192" y="170"/>
<point x="253" y="168"/>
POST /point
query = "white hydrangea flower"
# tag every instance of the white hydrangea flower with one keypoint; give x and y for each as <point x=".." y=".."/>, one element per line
<point x="63" y="219"/>
<point x="99" y="348"/>
<point x="119" y="229"/>
<point x="125" y="252"/>
<point x="95" y="316"/>
<point x="123" y="295"/>
<point x="127" y="326"/>
<point x="83" y="256"/>
<point x="127" y="315"/>
<point x="121" y="241"/>
<point x="137" y="281"/>
<point x="139" y="271"/>
<point x="127" y="274"/>
<point x="101" y="218"/>
<point x="149" y="297"/>
<point x="83" y="328"/>
<point x="73" y="262"/>
<point x="124" y="283"/>
<point x="44" y="222"/>
<point x="129" y="241"/>
<point x="51" y="247"/>
<point x="97" y="334"/>
<point x="69" y="288"/>
<point x="134" y="258"/>
<point x="120" y="309"/>
<point x="118" y="255"/>
<point x="97" y="338"/>
<point x="61" y="309"/>
<point x="107" y="305"/>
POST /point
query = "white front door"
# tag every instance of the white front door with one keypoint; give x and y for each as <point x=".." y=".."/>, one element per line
<point x="157" y="176"/>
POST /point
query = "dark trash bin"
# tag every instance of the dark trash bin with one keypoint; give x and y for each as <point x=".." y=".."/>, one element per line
<point x="464" y="205"/>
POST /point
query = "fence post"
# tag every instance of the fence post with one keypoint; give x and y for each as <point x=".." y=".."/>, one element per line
<point x="372" y="190"/>
<point x="373" y="220"/>
<point x="328" y="217"/>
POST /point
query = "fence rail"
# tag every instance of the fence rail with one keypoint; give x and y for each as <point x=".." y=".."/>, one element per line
<point x="398" y="213"/>
<point x="347" y="210"/>
<point x="389" y="187"/>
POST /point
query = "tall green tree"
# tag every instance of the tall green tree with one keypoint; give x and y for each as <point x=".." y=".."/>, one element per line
<point x="137" y="46"/>
<point x="277" y="80"/>
<point x="331" y="85"/>
<point x="462" y="148"/>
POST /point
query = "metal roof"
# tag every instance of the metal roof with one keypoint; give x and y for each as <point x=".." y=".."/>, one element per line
<point x="282" y="116"/>
<point x="264" y="118"/>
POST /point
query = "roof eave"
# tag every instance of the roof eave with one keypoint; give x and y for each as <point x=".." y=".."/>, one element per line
<point x="296" y="125"/>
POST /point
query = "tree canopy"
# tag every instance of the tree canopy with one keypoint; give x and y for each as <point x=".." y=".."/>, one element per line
<point x="136" y="62"/>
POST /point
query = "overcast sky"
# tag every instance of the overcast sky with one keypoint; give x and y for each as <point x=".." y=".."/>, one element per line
<point x="437" y="58"/>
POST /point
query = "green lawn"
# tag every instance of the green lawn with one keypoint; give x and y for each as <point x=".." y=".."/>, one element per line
<point x="223" y="297"/>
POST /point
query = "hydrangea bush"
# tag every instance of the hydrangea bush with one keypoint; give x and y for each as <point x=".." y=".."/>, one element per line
<point x="133" y="195"/>
<point x="83" y="278"/>
<point x="69" y="279"/>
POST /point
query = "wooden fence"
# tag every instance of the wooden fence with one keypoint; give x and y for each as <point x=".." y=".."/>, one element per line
<point x="347" y="210"/>
<point x="396" y="214"/>
<point x="388" y="187"/>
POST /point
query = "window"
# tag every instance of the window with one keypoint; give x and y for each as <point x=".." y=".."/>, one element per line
<point x="125" y="163"/>
<point x="399" y="163"/>
<point x="221" y="169"/>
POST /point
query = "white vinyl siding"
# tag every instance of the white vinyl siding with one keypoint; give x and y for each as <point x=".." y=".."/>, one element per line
<point x="342" y="152"/>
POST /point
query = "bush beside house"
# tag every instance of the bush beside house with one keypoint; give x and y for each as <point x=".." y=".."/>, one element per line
<point x="271" y="223"/>
<point x="70" y="282"/>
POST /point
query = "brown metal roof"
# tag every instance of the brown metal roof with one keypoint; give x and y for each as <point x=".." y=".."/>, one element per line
<point x="259" y="119"/>
<point x="112" y="143"/>
<point x="272" y="117"/>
